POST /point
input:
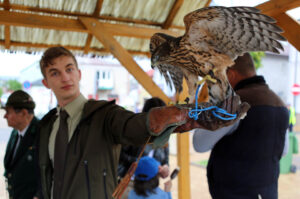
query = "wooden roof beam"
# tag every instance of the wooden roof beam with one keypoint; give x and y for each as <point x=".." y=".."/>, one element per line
<point x="78" y="14"/>
<point x="57" y="23"/>
<point x="183" y="153"/>
<point x="77" y="48"/>
<point x="105" y="37"/>
<point x="6" y="5"/>
<point x="291" y="29"/>
<point x="98" y="8"/>
<point x="88" y="43"/>
<point x="90" y="36"/>
<point x="40" y="21"/>
<point x="275" y="7"/>
<point x="176" y="6"/>
<point x="207" y="3"/>
<point x="7" y="36"/>
<point x="183" y="27"/>
<point x="6" y="27"/>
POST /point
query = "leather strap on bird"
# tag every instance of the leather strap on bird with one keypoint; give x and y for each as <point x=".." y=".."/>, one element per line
<point x="125" y="181"/>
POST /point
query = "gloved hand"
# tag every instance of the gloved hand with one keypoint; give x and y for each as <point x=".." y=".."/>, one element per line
<point x="163" y="121"/>
<point x="207" y="120"/>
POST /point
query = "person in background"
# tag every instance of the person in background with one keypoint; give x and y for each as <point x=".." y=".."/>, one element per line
<point x="129" y="154"/>
<point x="80" y="139"/>
<point x="20" y="161"/>
<point x="146" y="181"/>
<point x="160" y="154"/>
<point x="292" y="118"/>
<point x="244" y="161"/>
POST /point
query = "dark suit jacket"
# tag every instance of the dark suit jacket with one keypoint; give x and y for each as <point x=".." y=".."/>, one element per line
<point x="21" y="172"/>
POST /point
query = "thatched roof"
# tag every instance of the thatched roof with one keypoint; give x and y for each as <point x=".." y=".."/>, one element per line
<point x="35" y="25"/>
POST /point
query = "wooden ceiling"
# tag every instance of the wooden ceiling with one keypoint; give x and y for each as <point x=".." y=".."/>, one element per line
<point x="132" y="29"/>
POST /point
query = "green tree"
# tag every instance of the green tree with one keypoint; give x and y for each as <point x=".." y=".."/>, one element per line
<point x="257" y="56"/>
<point x="13" y="85"/>
<point x="1" y="91"/>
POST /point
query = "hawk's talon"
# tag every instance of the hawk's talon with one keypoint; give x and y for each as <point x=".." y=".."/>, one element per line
<point x="187" y="99"/>
<point x="207" y="78"/>
<point x="182" y="102"/>
<point x="171" y="103"/>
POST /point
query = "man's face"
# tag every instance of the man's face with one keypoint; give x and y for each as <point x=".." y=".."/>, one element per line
<point x="13" y="118"/>
<point x="63" y="77"/>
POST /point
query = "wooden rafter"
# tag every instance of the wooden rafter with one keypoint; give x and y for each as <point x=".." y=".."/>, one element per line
<point x="105" y="37"/>
<point x="291" y="29"/>
<point x="40" y="21"/>
<point x="176" y="6"/>
<point x="78" y="14"/>
<point x="57" y="23"/>
<point x="6" y="5"/>
<point x="182" y="27"/>
<point x="77" y="48"/>
<point x="98" y="8"/>
<point x="274" y="7"/>
<point x="6" y="27"/>
<point x="90" y="36"/>
<point x="88" y="43"/>
<point x="183" y="151"/>
<point x="207" y="3"/>
<point x="7" y="36"/>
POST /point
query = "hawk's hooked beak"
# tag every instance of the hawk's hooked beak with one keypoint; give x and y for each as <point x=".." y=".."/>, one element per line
<point x="154" y="60"/>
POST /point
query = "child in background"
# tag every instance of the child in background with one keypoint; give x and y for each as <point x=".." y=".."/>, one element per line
<point x="146" y="181"/>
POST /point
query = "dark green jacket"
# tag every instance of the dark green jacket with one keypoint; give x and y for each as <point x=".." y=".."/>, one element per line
<point x="93" y="151"/>
<point x="21" y="172"/>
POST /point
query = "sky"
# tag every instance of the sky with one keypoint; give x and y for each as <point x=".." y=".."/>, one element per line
<point x="12" y="64"/>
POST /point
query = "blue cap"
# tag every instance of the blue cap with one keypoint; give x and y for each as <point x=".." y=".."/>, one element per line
<point x="146" y="169"/>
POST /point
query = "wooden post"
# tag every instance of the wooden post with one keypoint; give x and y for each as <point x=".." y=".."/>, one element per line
<point x="98" y="30"/>
<point x="183" y="156"/>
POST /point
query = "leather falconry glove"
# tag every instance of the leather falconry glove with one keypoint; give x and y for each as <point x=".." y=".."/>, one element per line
<point x="163" y="121"/>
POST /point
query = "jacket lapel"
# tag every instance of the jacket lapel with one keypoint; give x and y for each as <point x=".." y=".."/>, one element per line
<point x="9" y="148"/>
<point x="26" y="143"/>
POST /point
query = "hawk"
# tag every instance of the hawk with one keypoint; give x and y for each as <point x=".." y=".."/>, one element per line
<point x="213" y="38"/>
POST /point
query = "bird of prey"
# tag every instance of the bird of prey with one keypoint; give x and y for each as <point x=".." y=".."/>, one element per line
<point x="213" y="38"/>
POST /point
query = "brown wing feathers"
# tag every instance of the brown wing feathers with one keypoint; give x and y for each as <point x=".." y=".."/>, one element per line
<point x="222" y="33"/>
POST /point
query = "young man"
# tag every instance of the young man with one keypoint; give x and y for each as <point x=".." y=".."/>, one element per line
<point x="244" y="162"/>
<point x="20" y="159"/>
<point x="80" y="140"/>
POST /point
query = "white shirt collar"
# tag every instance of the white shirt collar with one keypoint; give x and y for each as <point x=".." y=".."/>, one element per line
<point x="22" y="133"/>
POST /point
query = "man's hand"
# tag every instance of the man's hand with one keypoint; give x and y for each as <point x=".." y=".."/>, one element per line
<point x="163" y="121"/>
<point x="163" y="171"/>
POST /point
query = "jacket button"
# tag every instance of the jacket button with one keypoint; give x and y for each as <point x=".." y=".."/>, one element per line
<point x="9" y="187"/>
<point x="9" y="175"/>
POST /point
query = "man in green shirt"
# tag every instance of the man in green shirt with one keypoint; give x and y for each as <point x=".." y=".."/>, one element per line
<point x="80" y="140"/>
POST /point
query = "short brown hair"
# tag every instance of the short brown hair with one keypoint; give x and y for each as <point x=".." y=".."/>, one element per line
<point x="244" y="65"/>
<point x="52" y="53"/>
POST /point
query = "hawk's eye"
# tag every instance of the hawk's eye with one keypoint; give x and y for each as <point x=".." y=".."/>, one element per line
<point x="156" y="57"/>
